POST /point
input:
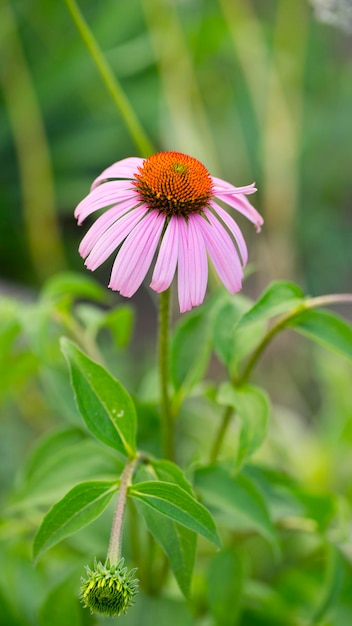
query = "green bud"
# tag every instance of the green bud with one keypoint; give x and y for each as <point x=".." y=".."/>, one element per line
<point x="109" y="589"/>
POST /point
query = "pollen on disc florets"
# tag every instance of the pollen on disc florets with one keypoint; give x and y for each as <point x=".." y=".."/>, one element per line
<point x="109" y="590"/>
<point x="174" y="183"/>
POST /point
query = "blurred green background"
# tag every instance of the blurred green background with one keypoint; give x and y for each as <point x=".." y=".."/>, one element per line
<point x="256" y="90"/>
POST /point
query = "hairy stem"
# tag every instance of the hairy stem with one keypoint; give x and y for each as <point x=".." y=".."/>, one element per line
<point x="111" y="83"/>
<point x="167" y="422"/>
<point x="114" y="552"/>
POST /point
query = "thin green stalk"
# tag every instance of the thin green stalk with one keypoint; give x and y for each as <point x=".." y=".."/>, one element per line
<point x="310" y="303"/>
<point x="114" y="552"/>
<point x="167" y="422"/>
<point x="113" y="86"/>
<point x="32" y="150"/>
<point x="215" y="450"/>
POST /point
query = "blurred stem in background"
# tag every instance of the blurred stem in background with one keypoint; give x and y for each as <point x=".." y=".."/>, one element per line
<point x="191" y="129"/>
<point x="33" y="154"/>
<point x="275" y="84"/>
<point x="140" y="138"/>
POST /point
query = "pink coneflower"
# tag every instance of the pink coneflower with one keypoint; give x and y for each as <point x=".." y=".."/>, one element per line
<point x="167" y="199"/>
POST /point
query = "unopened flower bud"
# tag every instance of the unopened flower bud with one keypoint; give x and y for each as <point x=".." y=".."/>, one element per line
<point x="109" y="589"/>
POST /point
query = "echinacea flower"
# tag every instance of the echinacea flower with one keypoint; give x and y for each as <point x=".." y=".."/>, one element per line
<point x="168" y="200"/>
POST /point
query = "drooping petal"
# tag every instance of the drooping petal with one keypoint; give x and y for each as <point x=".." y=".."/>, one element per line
<point x="242" y="205"/>
<point x="165" y="265"/>
<point x="197" y="260"/>
<point x="184" y="292"/>
<point x="235" y="230"/>
<point x="126" y="168"/>
<point x="103" y="196"/>
<point x="222" y="252"/>
<point x="113" y="237"/>
<point x="221" y="185"/>
<point x="136" y="254"/>
<point x="102" y="224"/>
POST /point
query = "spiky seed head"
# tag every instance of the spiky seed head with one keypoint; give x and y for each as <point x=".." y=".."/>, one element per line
<point x="109" y="590"/>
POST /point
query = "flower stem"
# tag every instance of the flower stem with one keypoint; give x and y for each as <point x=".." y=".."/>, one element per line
<point x="111" y="83"/>
<point x="310" y="303"/>
<point x="167" y="422"/>
<point x="281" y="323"/>
<point x="114" y="552"/>
<point x="215" y="450"/>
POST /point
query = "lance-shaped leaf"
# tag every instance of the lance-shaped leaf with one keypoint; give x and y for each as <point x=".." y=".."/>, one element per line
<point x="80" y="506"/>
<point x="178" y="542"/>
<point x="235" y="501"/>
<point x="188" y="363"/>
<point x="251" y="407"/>
<point x="178" y="505"/>
<point x="104" y="404"/>
<point x="281" y="296"/>
<point x="326" y="328"/>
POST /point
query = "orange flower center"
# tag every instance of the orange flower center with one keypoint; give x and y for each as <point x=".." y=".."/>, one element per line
<point x="174" y="183"/>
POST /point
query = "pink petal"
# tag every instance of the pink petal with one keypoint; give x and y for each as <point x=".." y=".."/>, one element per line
<point x="184" y="291"/>
<point x="103" y="196"/>
<point x="222" y="186"/>
<point x="113" y="237"/>
<point x="242" y="205"/>
<point x="232" y="226"/>
<point x="197" y="259"/>
<point x="136" y="254"/>
<point x="126" y="168"/>
<point x="165" y="265"/>
<point x="102" y="224"/>
<point x="222" y="252"/>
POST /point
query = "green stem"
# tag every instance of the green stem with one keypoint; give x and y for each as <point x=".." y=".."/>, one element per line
<point x="32" y="149"/>
<point x="112" y="84"/>
<point x="311" y="303"/>
<point x="167" y="422"/>
<point x="114" y="552"/>
<point x="214" y="453"/>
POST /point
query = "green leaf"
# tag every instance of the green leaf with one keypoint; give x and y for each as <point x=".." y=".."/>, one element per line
<point x="225" y="583"/>
<point x="71" y="285"/>
<point x="57" y="391"/>
<point x="167" y="471"/>
<point x="58" y="463"/>
<point x="234" y="501"/>
<point x="80" y="506"/>
<point x="280" y="297"/>
<point x="120" y="322"/>
<point x="332" y="584"/>
<point x="190" y="350"/>
<point x="178" y="543"/>
<point x="251" y="406"/>
<point x="228" y="311"/>
<point x="104" y="404"/>
<point x="327" y="329"/>
<point x="62" y="606"/>
<point x="178" y="505"/>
